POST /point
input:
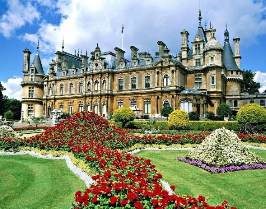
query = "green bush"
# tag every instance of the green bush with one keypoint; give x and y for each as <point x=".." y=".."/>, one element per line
<point x="193" y="116"/>
<point x="213" y="125"/>
<point x="6" y="132"/>
<point x="178" y="119"/>
<point x="251" y="116"/>
<point x="224" y="110"/>
<point x="9" y="115"/>
<point x="124" y="115"/>
<point x="209" y="115"/>
<point x="166" y="110"/>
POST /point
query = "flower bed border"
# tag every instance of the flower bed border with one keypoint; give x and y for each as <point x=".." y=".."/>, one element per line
<point x="213" y="169"/>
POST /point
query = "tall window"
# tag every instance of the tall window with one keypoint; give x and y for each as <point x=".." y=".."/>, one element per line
<point x="104" y="85"/>
<point x="120" y="84"/>
<point x="133" y="82"/>
<point x="230" y="103"/>
<point x="147" y="107"/>
<point x="70" y="109"/>
<point x="96" y="108"/>
<point x="198" y="63"/>
<point x="80" y="107"/>
<point x="198" y="82"/>
<point x="81" y="87"/>
<point x="50" y="90"/>
<point x="32" y="75"/>
<point x="147" y="81"/>
<point x="212" y="80"/>
<point x="61" y="89"/>
<point x="61" y="107"/>
<point x="71" y="89"/>
<point x="262" y="102"/>
<point x="212" y="60"/>
<point x="30" y="110"/>
<point x="166" y="80"/>
<point x="89" y="86"/>
<point x="119" y="104"/>
<point x="235" y="103"/>
<point x="96" y="85"/>
<point x="31" y="92"/>
<point x="88" y="107"/>
<point x="197" y="48"/>
<point x="133" y="104"/>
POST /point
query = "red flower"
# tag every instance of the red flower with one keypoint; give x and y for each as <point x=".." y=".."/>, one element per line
<point x="131" y="196"/>
<point x="123" y="202"/>
<point x="172" y="187"/>
<point x="138" y="205"/>
<point x="114" y="199"/>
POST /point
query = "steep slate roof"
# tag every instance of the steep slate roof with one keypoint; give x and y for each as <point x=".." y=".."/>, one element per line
<point x="228" y="56"/>
<point x="38" y="64"/>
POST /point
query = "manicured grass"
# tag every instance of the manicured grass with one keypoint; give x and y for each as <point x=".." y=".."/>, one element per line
<point x="243" y="189"/>
<point x="29" y="183"/>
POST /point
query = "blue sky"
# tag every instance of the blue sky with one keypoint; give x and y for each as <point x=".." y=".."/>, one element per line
<point x="84" y="23"/>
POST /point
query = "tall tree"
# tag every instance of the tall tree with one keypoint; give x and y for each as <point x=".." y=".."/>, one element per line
<point x="248" y="84"/>
<point x="14" y="106"/>
<point x="2" y="99"/>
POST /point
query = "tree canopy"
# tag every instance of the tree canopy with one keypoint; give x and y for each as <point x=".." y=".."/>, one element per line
<point x="248" y="84"/>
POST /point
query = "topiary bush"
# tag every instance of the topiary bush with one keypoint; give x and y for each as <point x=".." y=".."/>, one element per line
<point x="224" y="110"/>
<point x="166" y="110"/>
<point x="178" y="119"/>
<point x="193" y="116"/>
<point x="250" y="116"/>
<point x="209" y="115"/>
<point x="124" y="115"/>
<point x="6" y="132"/>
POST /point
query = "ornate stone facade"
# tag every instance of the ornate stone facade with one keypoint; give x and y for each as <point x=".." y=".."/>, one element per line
<point x="203" y="75"/>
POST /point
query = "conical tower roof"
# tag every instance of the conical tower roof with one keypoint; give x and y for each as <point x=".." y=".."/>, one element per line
<point x="37" y="62"/>
<point x="228" y="56"/>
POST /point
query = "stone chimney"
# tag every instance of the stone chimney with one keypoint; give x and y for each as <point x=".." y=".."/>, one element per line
<point x="119" y="54"/>
<point x="84" y="61"/>
<point x="161" y="47"/>
<point x="134" y="52"/>
<point x="26" y="66"/>
<point x="237" y="56"/>
<point x="184" y="47"/>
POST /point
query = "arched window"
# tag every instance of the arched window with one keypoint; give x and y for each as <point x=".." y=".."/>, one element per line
<point x="96" y="85"/>
<point x="104" y="109"/>
<point x="80" y="107"/>
<point x="89" y="86"/>
<point x="166" y="80"/>
<point x="96" y="108"/>
<point x="61" y="89"/>
<point x="71" y="88"/>
<point x="104" y="85"/>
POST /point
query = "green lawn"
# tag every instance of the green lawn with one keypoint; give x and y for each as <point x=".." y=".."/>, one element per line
<point x="27" y="182"/>
<point x="243" y="189"/>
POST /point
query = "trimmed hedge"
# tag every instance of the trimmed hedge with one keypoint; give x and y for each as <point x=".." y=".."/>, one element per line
<point x="193" y="125"/>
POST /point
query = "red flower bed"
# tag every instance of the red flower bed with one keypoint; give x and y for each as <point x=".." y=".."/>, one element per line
<point x="123" y="180"/>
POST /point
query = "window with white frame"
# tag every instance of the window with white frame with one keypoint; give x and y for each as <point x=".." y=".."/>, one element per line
<point x="186" y="105"/>
<point x="198" y="82"/>
<point x="133" y="104"/>
<point x="80" y="107"/>
<point x="70" y="108"/>
<point x="31" y="92"/>
<point x="120" y="84"/>
<point x="147" y="107"/>
<point x="89" y="86"/>
<point x="71" y="88"/>
<point x="133" y="82"/>
<point x="104" y="85"/>
<point x="96" y="85"/>
<point x="147" y="81"/>
<point x="30" y="110"/>
<point x="61" y="89"/>
<point x="166" y="80"/>
<point x="96" y="108"/>
<point x="88" y="107"/>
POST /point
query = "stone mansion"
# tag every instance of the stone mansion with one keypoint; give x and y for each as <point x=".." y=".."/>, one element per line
<point x="203" y="75"/>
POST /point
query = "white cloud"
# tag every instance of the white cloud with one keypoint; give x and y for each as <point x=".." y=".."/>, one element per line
<point x="85" y="23"/>
<point x="13" y="88"/>
<point x="261" y="78"/>
<point x="17" y="15"/>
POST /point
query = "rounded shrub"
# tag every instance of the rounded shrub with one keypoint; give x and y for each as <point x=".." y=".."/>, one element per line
<point x="178" y="119"/>
<point x="6" y="132"/>
<point x="193" y="116"/>
<point x="124" y="115"/>
<point x="9" y="115"/>
<point x="166" y="110"/>
<point x="251" y="113"/>
<point x="209" y="115"/>
<point x="224" y="110"/>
